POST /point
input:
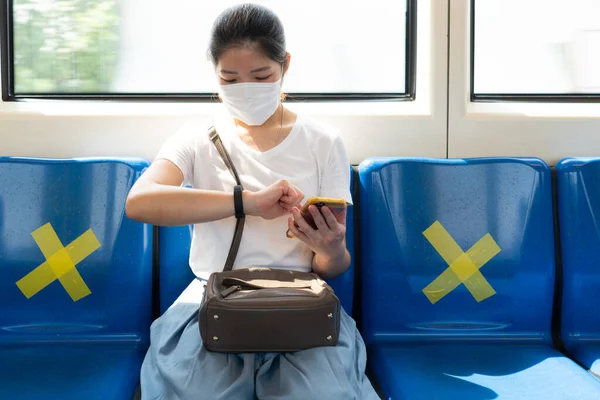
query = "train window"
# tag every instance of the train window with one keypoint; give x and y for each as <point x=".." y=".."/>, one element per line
<point x="155" y="49"/>
<point x="535" y="50"/>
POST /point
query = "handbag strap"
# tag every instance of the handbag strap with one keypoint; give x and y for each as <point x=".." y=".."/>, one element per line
<point x="239" y="225"/>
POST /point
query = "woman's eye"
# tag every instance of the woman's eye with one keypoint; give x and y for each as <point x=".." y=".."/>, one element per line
<point x="260" y="78"/>
<point x="228" y="80"/>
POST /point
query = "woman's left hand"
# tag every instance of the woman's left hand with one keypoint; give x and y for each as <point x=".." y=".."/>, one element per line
<point x="329" y="240"/>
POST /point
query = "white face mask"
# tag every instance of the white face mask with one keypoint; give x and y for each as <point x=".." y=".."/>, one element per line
<point x="252" y="102"/>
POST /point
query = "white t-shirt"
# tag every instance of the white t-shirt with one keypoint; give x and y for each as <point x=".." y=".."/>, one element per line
<point x="313" y="157"/>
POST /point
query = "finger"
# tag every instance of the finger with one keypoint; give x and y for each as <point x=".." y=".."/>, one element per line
<point x="302" y="224"/>
<point x="297" y="232"/>
<point x="282" y="183"/>
<point x="341" y="217"/>
<point x="291" y="191"/>
<point x="332" y="222"/>
<point x="288" y="207"/>
<point x="299" y="193"/>
<point x="282" y="210"/>
<point x="318" y="217"/>
<point x="293" y="200"/>
<point x="283" y="187"/>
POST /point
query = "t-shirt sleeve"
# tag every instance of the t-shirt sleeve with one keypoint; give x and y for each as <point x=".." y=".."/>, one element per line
<point x="180" y="149"/>
<point x="335" y="179"/>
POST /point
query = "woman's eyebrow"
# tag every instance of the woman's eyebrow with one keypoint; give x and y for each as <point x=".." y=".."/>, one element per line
<point x="261" y="69"/>
<point x="226" y="71"/>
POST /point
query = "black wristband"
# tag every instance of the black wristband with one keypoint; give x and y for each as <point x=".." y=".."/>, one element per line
<point x="238" y="203"/>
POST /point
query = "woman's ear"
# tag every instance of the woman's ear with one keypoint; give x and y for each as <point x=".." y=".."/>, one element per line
<point x="286" y="63"/>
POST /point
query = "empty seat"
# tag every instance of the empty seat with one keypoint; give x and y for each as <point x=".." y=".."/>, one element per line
<point x="457" y="276"/>
<point x="176" y="275"/>
<point x="75" y="282"/>
<point x="579" y="210"/>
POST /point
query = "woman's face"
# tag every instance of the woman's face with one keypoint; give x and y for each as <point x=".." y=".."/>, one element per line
<point x="248" y="64"/>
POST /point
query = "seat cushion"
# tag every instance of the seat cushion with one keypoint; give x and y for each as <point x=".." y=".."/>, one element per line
<point x="477" y="372"/>
<point x="589" y="356"/>
<point x="70" y="371"/>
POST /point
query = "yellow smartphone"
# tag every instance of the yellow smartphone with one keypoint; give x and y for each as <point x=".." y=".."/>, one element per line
<point x="335" y="205"/>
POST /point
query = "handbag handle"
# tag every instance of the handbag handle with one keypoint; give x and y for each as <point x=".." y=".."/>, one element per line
<point x="239" y="225"/>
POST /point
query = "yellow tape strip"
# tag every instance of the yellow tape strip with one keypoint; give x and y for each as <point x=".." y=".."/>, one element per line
<point x="74" y="285"/>
<point x="60" y="263"/>
<point x="483" y="251"/>
<point x="462" y="267"/>
<point x="480" y="253"/>
<point x="83" y="246"/>
<point x="47" y="240"/>
<point x="446" y="282"/>
<point x="443" y="243"/>
<point x="36" y="280"/>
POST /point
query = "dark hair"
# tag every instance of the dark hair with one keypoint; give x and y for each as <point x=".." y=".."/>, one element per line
<point x="248" y="24"/>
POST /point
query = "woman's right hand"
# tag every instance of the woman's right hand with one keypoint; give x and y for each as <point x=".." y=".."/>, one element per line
<point x="273" y="201"/>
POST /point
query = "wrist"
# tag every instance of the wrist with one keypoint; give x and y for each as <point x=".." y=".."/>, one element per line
<point x="333" y="256"/>
<point x="329" y="268"/>
<point x="248" y="202"/>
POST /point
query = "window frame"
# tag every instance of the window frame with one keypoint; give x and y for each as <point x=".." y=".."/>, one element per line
<point x="8" y="81"/>
<point x="546" y="130"/>
<point x="519" y="97"/>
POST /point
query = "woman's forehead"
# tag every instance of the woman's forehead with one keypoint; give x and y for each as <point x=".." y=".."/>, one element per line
<point x="244" y="59"/>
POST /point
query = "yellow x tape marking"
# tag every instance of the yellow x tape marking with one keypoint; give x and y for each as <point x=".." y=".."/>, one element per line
<point x="462" y="267"/>
<point x="60" y="263"/>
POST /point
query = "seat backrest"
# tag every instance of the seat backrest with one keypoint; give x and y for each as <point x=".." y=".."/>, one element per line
<point x="428" y="225"/>
<point x="579" y="210"/>
<point x="343" y="285"/>
<point x="99" y="285"/>
<point x="176" y="275"/>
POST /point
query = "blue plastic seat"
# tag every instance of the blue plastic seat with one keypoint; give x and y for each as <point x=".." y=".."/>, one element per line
<point x="77" y="327"/>
<point x="343" y="285"/>
<point x="579" y="210"/>
<point x="457" y="277"/>
<point x="176" y="275"/>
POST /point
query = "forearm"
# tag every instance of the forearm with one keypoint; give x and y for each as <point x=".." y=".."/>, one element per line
<point x="165" y="205"/>
<point x="329" y="267"/>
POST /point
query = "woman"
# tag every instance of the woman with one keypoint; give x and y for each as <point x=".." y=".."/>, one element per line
<point x="282" y="158"/>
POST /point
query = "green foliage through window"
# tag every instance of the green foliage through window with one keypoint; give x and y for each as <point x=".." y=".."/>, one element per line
<point x="65" y="46"/>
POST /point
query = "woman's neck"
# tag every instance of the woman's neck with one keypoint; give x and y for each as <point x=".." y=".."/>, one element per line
<point x="268" y="135"/>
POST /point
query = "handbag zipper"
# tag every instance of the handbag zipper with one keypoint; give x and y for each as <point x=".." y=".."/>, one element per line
<point x="231" y="289"/>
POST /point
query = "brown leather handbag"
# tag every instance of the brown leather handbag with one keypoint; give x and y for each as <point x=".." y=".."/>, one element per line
<point x="262" y="309"/>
